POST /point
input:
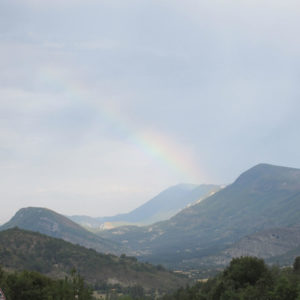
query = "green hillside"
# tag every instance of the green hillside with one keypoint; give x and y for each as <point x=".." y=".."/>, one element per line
<point x="263" y="197"/>
<point x="54" y="257"/>
<point x="56" y="225"/>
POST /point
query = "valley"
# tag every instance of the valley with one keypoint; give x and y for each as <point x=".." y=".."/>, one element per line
<point x="257" y="215"/>
<point x="162" y="207"/>
<point x="264" y="197"/>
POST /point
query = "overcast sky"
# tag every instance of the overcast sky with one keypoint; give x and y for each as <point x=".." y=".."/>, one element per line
<point x="105" y="103"/>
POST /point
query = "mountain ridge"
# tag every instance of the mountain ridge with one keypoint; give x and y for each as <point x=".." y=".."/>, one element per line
<point x="46" y="221"/>
<point x="161" y="207"/>
<point x="263" y="197"/>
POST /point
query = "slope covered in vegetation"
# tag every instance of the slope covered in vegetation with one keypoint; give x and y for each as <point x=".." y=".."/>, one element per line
<point x="49" y="222"/>
<point x="28" y="285"/>
<point x="54" y="257"/>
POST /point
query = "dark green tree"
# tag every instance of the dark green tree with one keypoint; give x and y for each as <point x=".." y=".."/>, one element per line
<point x="296" y="265"/>
<point x="246" y="271"/>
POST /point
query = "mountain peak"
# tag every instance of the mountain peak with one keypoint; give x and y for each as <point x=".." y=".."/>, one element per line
<point x="32" y="209"/>
<point x="263" y="172"/>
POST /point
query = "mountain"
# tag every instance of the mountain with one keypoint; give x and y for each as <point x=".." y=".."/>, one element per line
<point x="33" y="251"/>
<point x="162" y="207"/>
<point x="273" y="245"/>
<point x="261" y="198"/>
<point x="267" y="243"/>
<point x="53" y="224"/>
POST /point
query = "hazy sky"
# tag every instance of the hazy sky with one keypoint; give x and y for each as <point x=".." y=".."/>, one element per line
<point x="103" y="104"/>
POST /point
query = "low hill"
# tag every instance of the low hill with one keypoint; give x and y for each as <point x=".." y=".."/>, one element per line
<point x="22" y="249"/>
<point x="262" y="198"/>
<point x="267" y="243"/>
<point x="270" y="244"/>
<point x="162" y="207"/>
<point x="53" y="224"/>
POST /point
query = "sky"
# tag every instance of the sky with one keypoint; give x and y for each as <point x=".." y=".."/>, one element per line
<point x="104" y="104"/>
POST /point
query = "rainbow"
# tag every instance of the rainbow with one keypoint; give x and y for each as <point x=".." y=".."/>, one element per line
<point x="160" y="148"/>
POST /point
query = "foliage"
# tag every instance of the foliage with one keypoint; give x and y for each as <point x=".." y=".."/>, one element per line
<point x="245" y="271"/>
<point x="296" y="265"/>
<point x="21" y="249"/>
<point x="28" y="285"/>
<point x="246" y="278"/>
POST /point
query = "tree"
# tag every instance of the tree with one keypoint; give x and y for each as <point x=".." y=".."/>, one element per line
<point x="246" y="271"/>
<point x="296" y="265"/>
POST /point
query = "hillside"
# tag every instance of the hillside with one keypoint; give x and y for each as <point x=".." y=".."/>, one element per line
<point x="265" y="244"/>
<point x="277" y="245"/>
<point x="263" y="197"/>
<point x="55" y="225"/>
<point x="54" y="257"/>
<point x="161" y="207"/>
